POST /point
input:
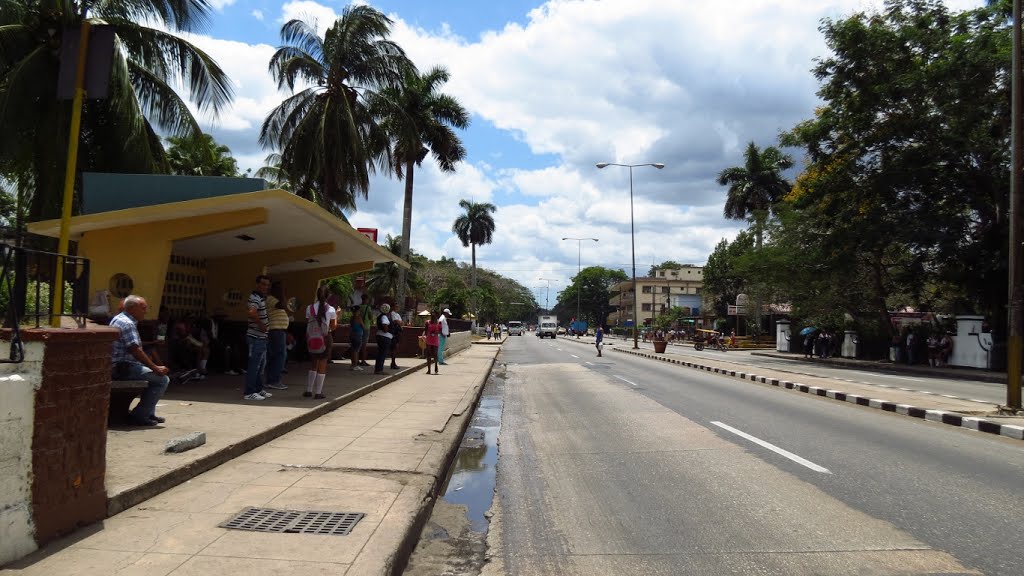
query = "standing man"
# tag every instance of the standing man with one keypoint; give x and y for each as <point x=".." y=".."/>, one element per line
<point x="383" y="337"/>
<point x="443" y="320"/>
<point x="396" y="333"/>
<point x="599" y="339"/>
<point x="366" y="309"/>
<point x="256" y="337"/>
<point x="130" y="362"/>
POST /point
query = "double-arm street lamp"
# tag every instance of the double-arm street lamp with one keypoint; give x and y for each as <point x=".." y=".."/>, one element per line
<point x="579" y="251"/>
<point x="632" y="237"/>
<point x="547" y="292"/>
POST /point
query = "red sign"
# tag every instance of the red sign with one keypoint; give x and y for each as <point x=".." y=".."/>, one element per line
<point x="370" y="233"/>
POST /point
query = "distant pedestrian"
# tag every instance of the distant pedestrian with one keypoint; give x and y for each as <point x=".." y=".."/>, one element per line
<point x="911" y="348"/>
<point x="369" y="314"/>
<point x="933" y="349"/>
<point x="357" y="335"/>
<point x="945" y="349"/>
<point x="809" y="345"/>
<point x="443" y="343"/>
<point x="323" y="314"/>
<point x="432" y="334"/>
<point x="599" y="340"/>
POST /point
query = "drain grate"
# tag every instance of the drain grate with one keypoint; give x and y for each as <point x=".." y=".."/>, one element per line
<point x="294" y="521"/>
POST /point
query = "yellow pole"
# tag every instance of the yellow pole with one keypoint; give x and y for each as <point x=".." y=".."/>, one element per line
<point x="69" y="176"/>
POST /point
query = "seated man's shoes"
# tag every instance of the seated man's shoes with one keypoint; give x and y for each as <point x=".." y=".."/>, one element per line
<point x="159" y="419"/>
<point x="143" y="421"/>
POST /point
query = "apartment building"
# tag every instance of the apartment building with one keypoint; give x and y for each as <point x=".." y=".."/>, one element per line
<point x="680" y="287"/>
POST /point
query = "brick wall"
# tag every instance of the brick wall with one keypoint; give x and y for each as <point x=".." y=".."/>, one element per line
<point x="69" y="433"/>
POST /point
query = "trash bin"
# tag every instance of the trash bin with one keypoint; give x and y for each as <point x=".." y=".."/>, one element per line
<point x="659" y="346"/>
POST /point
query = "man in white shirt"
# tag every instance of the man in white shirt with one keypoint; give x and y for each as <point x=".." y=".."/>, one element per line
<point x="443" y="319"/>
<point x="383" y="337"/>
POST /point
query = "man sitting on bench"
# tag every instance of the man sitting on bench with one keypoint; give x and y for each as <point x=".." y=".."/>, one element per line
<point x="130" y="362"/>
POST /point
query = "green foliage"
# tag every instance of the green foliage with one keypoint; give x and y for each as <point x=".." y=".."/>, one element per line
<point x="328" y="138"/>
<point x="593" y="286"/>
<point x="119" y="133"/>
<point x="200" y="155"/>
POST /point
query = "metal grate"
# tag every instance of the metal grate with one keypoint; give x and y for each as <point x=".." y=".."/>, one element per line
<point x="294" y="521"/>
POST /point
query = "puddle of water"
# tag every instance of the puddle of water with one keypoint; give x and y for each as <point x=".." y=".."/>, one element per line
<point x="471" y="481"/>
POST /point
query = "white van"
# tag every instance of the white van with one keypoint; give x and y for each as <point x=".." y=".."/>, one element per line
<point x="515" y="328"/>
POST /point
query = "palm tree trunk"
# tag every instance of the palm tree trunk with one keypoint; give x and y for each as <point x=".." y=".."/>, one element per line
<point x="406" y="232"/>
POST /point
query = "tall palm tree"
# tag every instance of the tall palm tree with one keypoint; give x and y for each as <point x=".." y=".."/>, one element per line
<point x="272" y="172"/>
<point x="756" y="187"/>
<point x="200" y="155"/>
<point x="754" y="190"/>
<point x="474" y="227"/>
<point x="328" y="140"/>
<point x="420" y="121"/>
<point x="386" y="279"/>
<point x="119" y="133"/>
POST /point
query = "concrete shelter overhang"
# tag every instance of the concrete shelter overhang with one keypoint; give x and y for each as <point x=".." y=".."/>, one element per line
<point x="287" y="222"/>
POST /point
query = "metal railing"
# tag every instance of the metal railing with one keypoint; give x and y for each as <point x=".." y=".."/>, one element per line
<point x="27" y="281"/>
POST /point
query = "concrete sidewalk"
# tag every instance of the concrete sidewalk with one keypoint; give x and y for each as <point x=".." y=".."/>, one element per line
<point x="382" y="449"/>
<point x="962" y="412"/>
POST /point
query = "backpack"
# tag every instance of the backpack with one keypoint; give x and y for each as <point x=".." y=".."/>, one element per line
<point x="316" y="343"/>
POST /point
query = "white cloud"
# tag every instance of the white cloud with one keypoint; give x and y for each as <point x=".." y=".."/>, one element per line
<point x="683" y="83"/>
<point x="219" y="5"/>
<point x="258" y="14"/>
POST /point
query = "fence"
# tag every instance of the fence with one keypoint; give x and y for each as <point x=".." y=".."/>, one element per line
<point x="27" y="281"/>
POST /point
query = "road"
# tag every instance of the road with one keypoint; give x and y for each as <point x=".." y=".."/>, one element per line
<point x="621" y="465"/>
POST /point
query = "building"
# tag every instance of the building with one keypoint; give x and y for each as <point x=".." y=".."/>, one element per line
<point x="668" y="288"/>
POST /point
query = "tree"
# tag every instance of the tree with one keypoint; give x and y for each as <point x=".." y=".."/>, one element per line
<point x="272" y="172"/>
<point x="386" y="278"/>
<point x="907" y="176"/>
<point x="200" y="155"/>
<point x="475" y="227"/>
<point x="594" y="284"/>
<point x="119" y="133"/>
<point x="328" y="140"/>
<point x="755" y="187"/>
<point x="420" y="121"/>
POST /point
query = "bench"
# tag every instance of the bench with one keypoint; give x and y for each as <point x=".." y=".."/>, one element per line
<point x="122" y="392"/>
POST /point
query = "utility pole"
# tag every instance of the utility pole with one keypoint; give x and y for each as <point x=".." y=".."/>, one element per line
<point x="1016" y="274"/>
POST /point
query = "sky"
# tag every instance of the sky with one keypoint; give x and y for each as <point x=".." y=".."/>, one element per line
<point x="552" y="89"/>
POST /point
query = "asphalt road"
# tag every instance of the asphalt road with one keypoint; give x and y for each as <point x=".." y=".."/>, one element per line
<point x="620" y="465"/>
<point x="982" y="391"/>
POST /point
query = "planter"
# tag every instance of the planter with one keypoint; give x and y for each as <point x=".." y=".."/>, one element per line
<point x="659" y="346"/>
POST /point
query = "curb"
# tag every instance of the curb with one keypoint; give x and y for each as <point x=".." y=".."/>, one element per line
<point x="162" y="483"/>
<point x="890" y="368"/>
<point x="951" y="418"/>
<point x="411" y="538"/>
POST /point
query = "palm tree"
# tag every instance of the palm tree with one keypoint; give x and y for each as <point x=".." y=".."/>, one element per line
<point x="328" y="140"/>
<point x="119" y="133"/>
<point x="475" y="227"/>
<point x="386" y="279"/>
<point x="200" y="155"/>
<point x="755" y="187"/>
<point x="754" y="190"/>
<point x="420" y="121"/>
<point x="272" y="172"/>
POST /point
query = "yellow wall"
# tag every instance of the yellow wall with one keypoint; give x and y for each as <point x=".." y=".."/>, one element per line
<point x="143" y="251"/>
<point x="302" y="285"/>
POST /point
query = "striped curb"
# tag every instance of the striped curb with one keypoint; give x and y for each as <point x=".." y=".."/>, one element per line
<point x="950" y="418"/>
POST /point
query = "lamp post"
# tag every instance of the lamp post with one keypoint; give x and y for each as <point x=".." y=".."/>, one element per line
<point x="579" y="251"/>
<point x="547" y="293"/>
<point x="632" y="237"/>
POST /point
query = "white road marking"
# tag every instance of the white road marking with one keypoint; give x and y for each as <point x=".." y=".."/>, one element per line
<point x="773" y="448"/>
<point x="574" y="356"/>
<point x="626" y="381"/>
<point x="591" y="363"/>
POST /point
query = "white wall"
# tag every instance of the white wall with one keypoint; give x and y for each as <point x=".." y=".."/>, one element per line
<point x="970" y="343"/>
<point x="18" y="385"/>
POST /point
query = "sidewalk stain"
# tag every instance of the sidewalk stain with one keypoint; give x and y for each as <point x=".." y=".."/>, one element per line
<point x="453" y="541"/>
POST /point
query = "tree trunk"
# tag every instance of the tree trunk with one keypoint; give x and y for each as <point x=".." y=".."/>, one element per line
<point x="406" y="233"/>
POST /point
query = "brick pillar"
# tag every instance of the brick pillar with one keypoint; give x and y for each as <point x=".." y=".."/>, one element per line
<point x="69" y="437"/>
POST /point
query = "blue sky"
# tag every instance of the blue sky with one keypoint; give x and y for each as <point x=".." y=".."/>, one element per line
<point x="554" y="87"/>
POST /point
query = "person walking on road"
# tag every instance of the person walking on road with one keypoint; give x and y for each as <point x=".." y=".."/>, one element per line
<point x="599" y="339"/>
<point x="432" y="334"/>
<point x="443" y="320"/>
<point x="325" y="314"/>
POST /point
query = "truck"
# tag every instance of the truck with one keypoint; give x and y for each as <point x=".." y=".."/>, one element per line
<point x="547" y="326"/>
<point x="515" y="328"/>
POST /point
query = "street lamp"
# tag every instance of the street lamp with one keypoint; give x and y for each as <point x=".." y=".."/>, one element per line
<point x="578" y="270"/>
<point x="632" y="238"/>
<point x="547" y="293"/>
